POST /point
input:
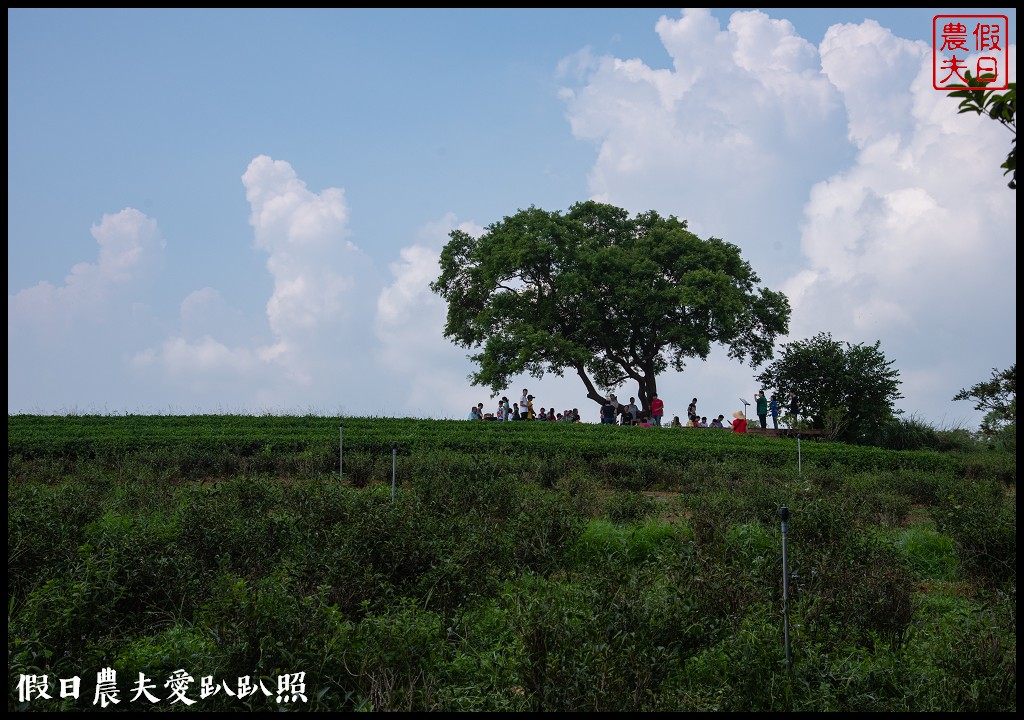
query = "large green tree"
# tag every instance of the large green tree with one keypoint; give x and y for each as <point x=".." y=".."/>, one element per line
<point x="998" y="398"/>
<point x="613" y="298"/>
<point x="849" y="390"/>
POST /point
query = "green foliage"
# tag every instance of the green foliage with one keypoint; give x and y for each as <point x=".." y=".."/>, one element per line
<point x="998" y="398"/>
<point x="743" y="673"/>
<point x="929" y="553"/>
<point x="1001" y="107"/>
<point x="853" y="590"/>
<point x="141" y="550"/>
<point x="518" y="567"/>
<point x="851" y="387"/>
<point x="912" y="433"/>
<point x="393" y="658"/>
<point x="482" y="674"/>
<point x="45" y="526"/>
<point x="878" y="499"/>
<point x="176" y="646"/>
<point x="982" y="522"/>
<point x="991" y="465"/>
<point x="608" y="297"/>
<point x="614" y="545"/>
<point x="604" y="645"/>
<point x="962" y="653"/>
<point x="626" y="506"/>
<point x="51" y="449"/>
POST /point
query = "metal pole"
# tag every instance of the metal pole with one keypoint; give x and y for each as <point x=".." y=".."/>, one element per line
<point x="341" y="452"/>
<point x="799" y="457"/>
<point x="784" y="515"/>
<point x="394" y="453"/>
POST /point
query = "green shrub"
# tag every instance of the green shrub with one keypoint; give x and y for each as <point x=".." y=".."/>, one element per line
<point x="858" y="586"/>
<point x="45" y="526"/>
<point x="963" y="655"/>
<point x="481" y="674"/>
<point x="394" y="659"/>
<point x="613" y="545"/>
<point x="178" y="646"/>
<point x="929" y="554"/>
<point x="981" y="518"/>
<point x="625" y="506"/>
<point x="745" y="673"/>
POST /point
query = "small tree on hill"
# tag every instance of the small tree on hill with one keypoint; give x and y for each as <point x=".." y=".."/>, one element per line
<point x="848" y="389"/>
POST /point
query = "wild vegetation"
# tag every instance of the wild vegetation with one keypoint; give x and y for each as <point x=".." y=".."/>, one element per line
<point x="399" y="564"/>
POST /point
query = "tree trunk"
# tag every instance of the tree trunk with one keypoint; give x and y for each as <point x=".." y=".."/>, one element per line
<point x="647" y="388"/>
<point x="592" y="391"/>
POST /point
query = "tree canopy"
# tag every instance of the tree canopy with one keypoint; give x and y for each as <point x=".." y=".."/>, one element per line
<point x="613" y="298"/>
<point x="998" y="398"/>
<point x="849" y="390"/>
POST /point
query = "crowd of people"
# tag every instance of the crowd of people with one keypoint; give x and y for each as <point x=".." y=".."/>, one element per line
<point x="614" y="412"/>
<point x="523" y="410"/>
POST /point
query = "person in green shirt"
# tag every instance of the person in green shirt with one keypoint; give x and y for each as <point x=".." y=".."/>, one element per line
<point x="762" y="409"/>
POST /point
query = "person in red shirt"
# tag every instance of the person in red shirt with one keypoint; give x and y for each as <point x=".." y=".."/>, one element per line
<point x="739" y="425"/>
<point x="657" y="409"/>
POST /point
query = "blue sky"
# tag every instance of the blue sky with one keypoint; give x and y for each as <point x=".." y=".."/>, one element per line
<point x="241" y="210"/>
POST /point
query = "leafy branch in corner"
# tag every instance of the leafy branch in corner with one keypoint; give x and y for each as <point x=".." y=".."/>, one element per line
<point x="1001" y="107"/>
